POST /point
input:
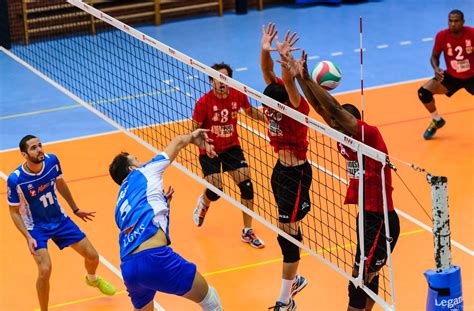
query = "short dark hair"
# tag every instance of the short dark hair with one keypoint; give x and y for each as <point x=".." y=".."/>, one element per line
<point x="220" y="66"/>
<point x="23" y="142"/>
<point x="277" y="92"/>
<point x="352" y="110"/>
<point x="457" y="12"/>
<point x="119" y="168"/>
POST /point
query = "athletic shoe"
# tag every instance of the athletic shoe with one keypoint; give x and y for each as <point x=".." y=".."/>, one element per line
<point x="105" y="287"/>
<point x="200" y="212"/>
<point x="280" y="306"/>
<point x="298" y="284"/>
<point x="434" y="126"/>
<point x="252" y="239"/>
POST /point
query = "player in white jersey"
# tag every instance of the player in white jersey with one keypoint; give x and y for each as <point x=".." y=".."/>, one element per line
<point x="36" y="212"/>
<point x="142" y="215"/>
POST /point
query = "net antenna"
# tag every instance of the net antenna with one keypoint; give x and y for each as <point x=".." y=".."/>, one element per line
<point x="148" y="90"/>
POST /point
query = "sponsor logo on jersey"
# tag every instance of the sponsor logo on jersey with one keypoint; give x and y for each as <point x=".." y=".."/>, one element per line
<point x="31" y="190"/>
<point x="468" y="46"/>
<point x="234" y="105"/>
<point x="42" y="187"/>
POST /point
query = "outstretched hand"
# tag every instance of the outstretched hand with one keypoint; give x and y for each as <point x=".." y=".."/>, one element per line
<point x="268" y="34"/>
<point x="199" y="138"/>
<point x="85" y="215"/>
<point x="286" y="46"/>
<point x="296" y="67"/>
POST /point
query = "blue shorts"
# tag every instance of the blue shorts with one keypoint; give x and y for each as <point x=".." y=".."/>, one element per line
<point x="65" y="234"/>
<point x="156" y="269"/>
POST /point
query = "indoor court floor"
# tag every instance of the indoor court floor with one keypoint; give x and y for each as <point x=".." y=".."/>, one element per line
<point x="247" y="278"/>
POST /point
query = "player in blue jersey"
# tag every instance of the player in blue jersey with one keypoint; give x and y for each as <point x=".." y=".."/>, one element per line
<point x="36" y="212"/>
<point x="142" y="215"/>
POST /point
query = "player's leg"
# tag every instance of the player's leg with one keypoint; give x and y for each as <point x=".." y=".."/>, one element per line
<point x="468" y="84"/>
<point x="448" y="87"/>
<point x="211" y="168"/>
<point x="292" y="196"/>
<point x="43" y="261"/>
<point x="161" y="269"/>
<point x="233" y="162"/>
<point x="69" y="234"/>
<point x="203" y="294"/>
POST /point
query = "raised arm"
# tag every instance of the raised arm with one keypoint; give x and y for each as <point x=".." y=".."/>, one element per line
<point x="266" y="61"/>
<point x="323" y="102"/>
<point x="285" y="48"/>
<point x="197" y="137"/>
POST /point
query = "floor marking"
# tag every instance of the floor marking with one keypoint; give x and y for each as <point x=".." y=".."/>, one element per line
<point x="405" y="42"/>
<point x="382" y="46"/>
<point x="358" y="50"/>
<point x="241" y="69"/>
<point x="313" y="57"/>
<point x="427" y="39"/>
<point x="336" y="54"/>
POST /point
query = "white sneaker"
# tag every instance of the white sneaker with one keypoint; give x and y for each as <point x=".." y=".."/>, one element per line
<point x="200" y="212"/>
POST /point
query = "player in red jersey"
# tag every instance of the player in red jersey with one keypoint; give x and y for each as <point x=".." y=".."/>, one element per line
<point x="217" y="111"/>
<point x="292" y="174"/>
<point x="456" y="43"/>
<point x="347" y="119"/>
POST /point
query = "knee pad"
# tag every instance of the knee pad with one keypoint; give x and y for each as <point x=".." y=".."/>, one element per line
<point x="246" y="189"/>
<point x="211" y="302"/>
<point x="290" y="251"/>
<point x="425" y="96"/>
<point x="212" y="196"/>
<point x="357" y="297"/>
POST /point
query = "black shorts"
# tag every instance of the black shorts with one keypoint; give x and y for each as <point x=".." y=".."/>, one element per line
<point x="455" y="84"/>
<point x="375" y="247"/>
<point x="231" y="159"/>
<point x="290" y="185"/>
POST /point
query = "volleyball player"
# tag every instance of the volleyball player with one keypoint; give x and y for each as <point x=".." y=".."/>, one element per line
<point x="347" y="119"/>
<point x="218" y="111"/>
<point x="142" y="215"/>
<point x="37" y="214"/>
<point x="292" y="174"/>
<point x="457" y="45"/>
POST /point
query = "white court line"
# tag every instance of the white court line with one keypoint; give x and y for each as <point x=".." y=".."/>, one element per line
<point x="313" y="57"/>
<point x="405" y="42"/>
<point x="3" y="175"/>
<point x="241" y="69"/>
<point x="96" y="112"/>
<point x="427" y="39"/>
<point x="428" y="228"/>
<point x="382" y="46"/>
<point x="460" y="246"/>
<point x="336" y="53"/>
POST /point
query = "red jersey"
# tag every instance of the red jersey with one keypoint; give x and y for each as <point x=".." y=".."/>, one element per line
<point x="287" y="133"/>
<point x="458" y="52"/>
<point x="372" y="177"/>
<point x="219" y="115"/>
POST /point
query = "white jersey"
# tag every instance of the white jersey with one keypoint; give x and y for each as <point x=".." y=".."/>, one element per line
<point x="142" y="206"/>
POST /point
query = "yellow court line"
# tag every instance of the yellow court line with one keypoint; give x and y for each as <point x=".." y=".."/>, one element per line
<point x="99" y="102"/>
<point x="228" y="270"/>
<point x="59" y="305"/>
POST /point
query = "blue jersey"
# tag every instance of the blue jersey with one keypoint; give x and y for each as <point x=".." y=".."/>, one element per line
<point x="36" y="195"/>
<point x="142" y="207"/>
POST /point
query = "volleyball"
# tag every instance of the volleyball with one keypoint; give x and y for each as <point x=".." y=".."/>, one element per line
<point x="327" y="74"/>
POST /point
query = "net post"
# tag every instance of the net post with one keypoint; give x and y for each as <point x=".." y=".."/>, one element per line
<point x="444" y="284"/>
<point x="441" y="229"/>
